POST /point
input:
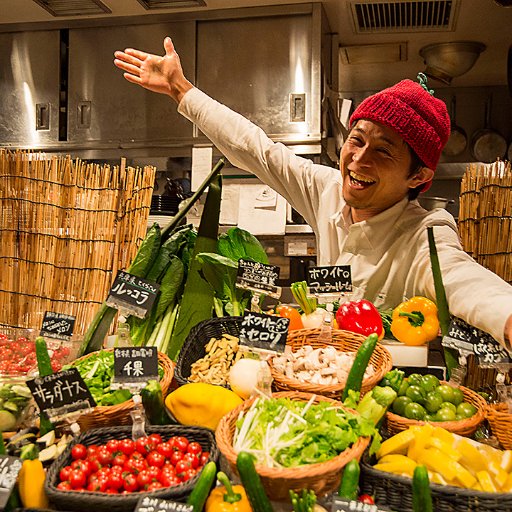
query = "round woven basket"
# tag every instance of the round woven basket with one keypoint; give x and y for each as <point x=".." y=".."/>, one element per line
<point x="116" y="415"/>
<point x="500" y="421"/>
<point x="321" y="478"/>
<point x="466" y="427"/>
<point x="343" y="341"/>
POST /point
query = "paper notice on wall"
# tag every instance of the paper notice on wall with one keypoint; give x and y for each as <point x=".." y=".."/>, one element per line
<point x="201" y="166"/>
<point x="262" y="211"/>
<point x="229" y="204"/>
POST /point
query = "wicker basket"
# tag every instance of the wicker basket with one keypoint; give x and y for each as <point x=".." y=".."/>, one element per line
<point x="322" y="478"/>
<point x="116" y="415"/>
<point x="466" y="427"/>
<point x="395" y="491"/>
<point x="198" y="337"/>
<point x="500" y="421"/>
<point x="343" y="341"/>
<point x="87" y="501"/>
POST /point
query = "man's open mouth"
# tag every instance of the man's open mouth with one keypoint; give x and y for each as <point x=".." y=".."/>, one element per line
<point x="359" y="181"/>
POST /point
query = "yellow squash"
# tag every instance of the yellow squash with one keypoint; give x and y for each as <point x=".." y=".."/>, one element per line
<point x="201" y="404"/>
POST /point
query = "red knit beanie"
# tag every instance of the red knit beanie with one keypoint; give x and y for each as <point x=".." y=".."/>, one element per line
<point x="413" y="112"/>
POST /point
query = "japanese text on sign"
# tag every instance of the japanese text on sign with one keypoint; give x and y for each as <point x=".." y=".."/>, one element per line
<point x="9" y="469"/>
<point x="147" y="504"/>
<point x="133" y="293"/>
<point x="57" y="325"/>
<point x="264" y="331"/>
<point x="135" y="363"/>
<point x="256" y="275"/>
<point x="61" y="393"/>
<point x="330" y="279"/>
<point x="343" y="505"/>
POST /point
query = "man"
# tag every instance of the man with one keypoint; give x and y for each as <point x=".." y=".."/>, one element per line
<point x="366" y="216"/>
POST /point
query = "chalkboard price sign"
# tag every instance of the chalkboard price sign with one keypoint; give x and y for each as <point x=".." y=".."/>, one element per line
<point x="265" y="332"/>
<point x="343" y="505"/>
<point x="330" y="279"/>
<point x="9" y="469"/>
<point x="470" y="340"/>
<point x="132" y="293"/>
<point x="57" y="325"/>
<point x="258" y="276"/>
<point x="148" y="504"/>
<point x="135" y="364"/>
<point x="61" y="393"/>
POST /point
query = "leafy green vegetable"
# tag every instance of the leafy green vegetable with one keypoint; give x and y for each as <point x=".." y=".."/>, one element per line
<point x="300" y="292"/>
<point x="373" y="405"/>
<point x="284" y="432"/>
<point x="393" y="379"/>
<point x="238" y="243"/>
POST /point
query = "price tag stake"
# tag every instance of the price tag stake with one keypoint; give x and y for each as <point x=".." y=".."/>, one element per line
<point x="57" y="325"/>
<point x="260" y="279"/>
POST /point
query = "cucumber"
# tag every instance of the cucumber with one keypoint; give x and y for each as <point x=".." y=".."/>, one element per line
<point x="349" y="485"/>
<point x="421" y="496"/>
<point x="197" y="498"/>
<point x="153" y="402"/>
<point x="44" y="366"/>
<point x="252" y="483"/>
<point x="356" y="374"/>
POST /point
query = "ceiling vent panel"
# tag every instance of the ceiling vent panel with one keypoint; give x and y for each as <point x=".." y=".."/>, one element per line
<point x="403" y="16"/>
<point x="73" y="7"/>
<point x="170" y="4"/>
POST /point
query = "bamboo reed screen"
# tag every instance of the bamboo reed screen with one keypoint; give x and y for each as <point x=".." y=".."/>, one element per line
<point x="485" y="216"/>
<point x="66" y="227"/>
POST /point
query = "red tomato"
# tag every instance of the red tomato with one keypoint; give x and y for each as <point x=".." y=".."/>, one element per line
<point x="64" y="486"/>
<point x="156" y="439"/>
<point x="167" y="479"/>
<point x="104" y="456"/>
<point x="168" y="468"/>
<point x="94" y="463"/>
<point x="194" y="448"/>
<point x="119" y="460"/>
<point x="292" y="314"/>
<point x="97" y="484"/>
<point x="144" y="479"/>
<point x="188" y="474"/>
<point x="111" y="490"/>
<point x="64" y="473"/>
<point x="193" y="459"/>
<point x="154" y="472"/>
<point x="143" y="445"/>
<point x="181" y="443"/>
<point x="176" y="457"/>
<point x="155" y="459"/>
<point x="92" y="450"/>
<point x="165" y="449"/>
<point x="84" y="465"/>
<point x="116" y="481"/>
<point x="77" y="478"/>
<point x="127" y="446"/>
<point x="135" y="465"/>
<point x="203" y="459"/>
<point x="154" y="486"/>
<point x="79" y="451"/>
<point x="113" y="445"/>
<point x="366" y="498"/>
<point x="182" y="466"/>
<point x="130" y="483"/>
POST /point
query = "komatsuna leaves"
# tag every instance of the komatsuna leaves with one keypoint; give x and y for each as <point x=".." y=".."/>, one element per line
<point x="238" y="243"/>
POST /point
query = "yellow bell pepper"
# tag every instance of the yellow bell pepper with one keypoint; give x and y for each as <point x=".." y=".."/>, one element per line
<point x="229" y="498"/>
<point x="415" y="321"/>
<point x="201" y="404"/>
<point x="31" y="484"/>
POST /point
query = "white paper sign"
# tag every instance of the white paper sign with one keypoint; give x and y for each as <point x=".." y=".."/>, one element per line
<point x="201" y="165"/>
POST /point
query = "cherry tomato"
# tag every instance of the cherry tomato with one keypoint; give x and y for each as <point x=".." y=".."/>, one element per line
<point x="111" y="490"/>
<point x="167" y="479"/>
<point x="168" y="468"/>
<point x="188" y="474"/>
<point x="119" y="459"/>
<point x="135" y="466"/>
<point x="113" y="445"/>
<point x="366" y="498"/>
<point x="154" y="486"/>
<point x="193" y="459"/>
<point x="84" y="465"/>
<point x="79" y="451"/>
<point x="181" y="443"/>
<point x="194" y="448"/>
<point x="143" y="445"/>
<point x="144" y="479"/>
<point x="165" y="449"/>
<point x="292" y="314"/>
<point x="130" y="483"/>
<point x="176" y="457"/>
<point x="64" y="473"/>
<point x="155" y="439"/>
<point x="64" y="486"/>
<point x="155" y="459"/>
<point x="92" y="450"/>
<point x="77" y="478"/>
<point x="104" y="456"/>
<point x="182" y="466"/>
<point x="94" y="463"/>
<point x="203" y="459"/>
<point x="127" y="446"/>
<point x="154" y="472"/>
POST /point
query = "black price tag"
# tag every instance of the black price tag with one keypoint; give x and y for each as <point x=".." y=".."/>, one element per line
<point x="265" y="332"/>
<point x="9" y="469"/>
<point x="330" y="279"/>
<point x="61" y="393"/>
<point x="343" y="505"/>
<point x="132" y="293"/>
<point x="135" y="364"/>
<point x="470" y="340"/>
<point x="57" y="325"/>
<point x="148" y="504"/>
<point x="258" y="276"/>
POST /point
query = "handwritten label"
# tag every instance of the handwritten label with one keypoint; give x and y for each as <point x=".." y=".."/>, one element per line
<point x="265" y="332"/>
<point x="57" y="325"/>
<point x="61" y="393"/>
<point x="258" y="276"/>
<point x="329" y="279"/>
<point x="132" y="293"/>
<point x="147" y="504"/>
<point x="135" y="364"/>
<point x="343" y="505"/>
<point x="9" y="469"/>
<point x="470" y="340"/>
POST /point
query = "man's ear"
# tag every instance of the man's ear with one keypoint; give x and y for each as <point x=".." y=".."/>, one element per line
<point x="422" y="176"/>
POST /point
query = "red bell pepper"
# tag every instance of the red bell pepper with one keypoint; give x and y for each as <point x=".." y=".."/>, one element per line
<point x="360" y="316"/>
